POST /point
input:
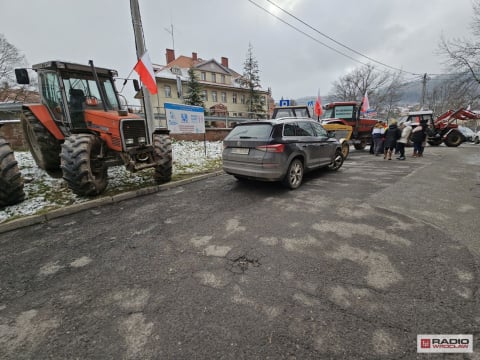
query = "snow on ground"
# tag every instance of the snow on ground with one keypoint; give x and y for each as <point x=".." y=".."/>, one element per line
<point x="44" y="192"/>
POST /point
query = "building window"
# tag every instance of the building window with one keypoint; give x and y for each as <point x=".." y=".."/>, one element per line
<point x="222" y="79"/>
<point x="168" y="91"/>
<point x="214" y="77"/>
<point x="203" y="76"/>
<point x="214" y="96"/>
<point x="242" y="99"/>
<point x="234" y="98"/>
<point x="224" y="97"/>
<point x="204" y="95"/>
<point x="262" y="100"/>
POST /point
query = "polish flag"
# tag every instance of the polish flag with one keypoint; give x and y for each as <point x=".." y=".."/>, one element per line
<point x="318" y="106"/>
<point x="144" y="69"/>
<point x="365" y="104"/>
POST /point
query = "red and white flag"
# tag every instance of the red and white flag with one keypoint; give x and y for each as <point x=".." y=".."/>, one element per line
<point x="144" y="69"/>
<point x="365" y="104"/>
<point x="318" y="106"/>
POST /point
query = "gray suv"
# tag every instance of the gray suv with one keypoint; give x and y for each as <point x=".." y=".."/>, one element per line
<point x="279" y="150"/>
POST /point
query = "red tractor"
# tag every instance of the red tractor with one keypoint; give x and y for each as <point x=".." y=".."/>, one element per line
<point x="80" y="129"/>
<point x="443" y="129"/>
<point x="348" y="113"/>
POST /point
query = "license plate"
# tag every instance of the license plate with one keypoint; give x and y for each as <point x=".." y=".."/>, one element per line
<point x="240" y="151"/>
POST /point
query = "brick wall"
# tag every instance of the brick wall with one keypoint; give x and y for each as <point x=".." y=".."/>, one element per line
<point x="14" y="135"/>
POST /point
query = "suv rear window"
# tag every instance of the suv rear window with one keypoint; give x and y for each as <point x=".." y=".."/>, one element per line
<point x="250" y="131"/>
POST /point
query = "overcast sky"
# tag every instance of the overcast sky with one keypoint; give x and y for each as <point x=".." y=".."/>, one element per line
<point x="400" y="33"/>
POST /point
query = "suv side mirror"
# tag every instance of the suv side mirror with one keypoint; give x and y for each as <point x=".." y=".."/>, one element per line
<point x="22" y="76"/>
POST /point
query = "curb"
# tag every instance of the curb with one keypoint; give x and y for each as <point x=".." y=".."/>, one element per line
<point x="72" y="209"/>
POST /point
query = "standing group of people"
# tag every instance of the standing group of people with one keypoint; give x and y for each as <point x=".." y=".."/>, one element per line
<point x="394" y="138"/>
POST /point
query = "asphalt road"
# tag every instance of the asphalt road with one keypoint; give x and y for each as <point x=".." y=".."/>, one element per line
<point x="352" y="265"/>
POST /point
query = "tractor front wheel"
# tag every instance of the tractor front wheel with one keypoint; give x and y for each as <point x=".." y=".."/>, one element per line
<point x="83" y="168"/>
<point x="435" y="141"/>
<point x="45" y="148"/>
<point x="361" y="145"/>
<point x="163" y="151"/>
<point x="345" y="149"/>
<point x="11" y="182"/>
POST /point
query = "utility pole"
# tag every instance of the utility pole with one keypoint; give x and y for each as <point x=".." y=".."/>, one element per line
<point x="424" y="89"/>
<point x="140" y="46"/>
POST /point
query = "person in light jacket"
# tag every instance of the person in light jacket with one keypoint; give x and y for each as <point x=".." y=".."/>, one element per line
<point x="402" y="142"/>
<point x="378" y="133"/>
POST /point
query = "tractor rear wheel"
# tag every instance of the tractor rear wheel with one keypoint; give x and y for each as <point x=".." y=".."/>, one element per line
<point x="83" y="169"/>
<point x="453" y="139"/>
<point x="163" y="150"/>
<point x="11" y="182"/>
<point x="45" y="148"/>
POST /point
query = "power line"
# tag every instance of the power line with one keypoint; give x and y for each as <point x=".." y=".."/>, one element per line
<point x="328" y="37"/>
<point x="304" y="33"/>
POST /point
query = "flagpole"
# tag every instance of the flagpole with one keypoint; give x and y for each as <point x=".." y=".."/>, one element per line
<point x="140" y="46"/>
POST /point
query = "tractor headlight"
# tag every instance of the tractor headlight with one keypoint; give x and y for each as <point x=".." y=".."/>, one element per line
<point x="129" y="141"/>
<point x="142" y="140"/>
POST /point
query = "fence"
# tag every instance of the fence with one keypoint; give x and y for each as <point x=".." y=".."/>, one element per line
<point x="222" y="120"/>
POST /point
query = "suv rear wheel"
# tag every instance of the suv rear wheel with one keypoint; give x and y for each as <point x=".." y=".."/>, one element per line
<point x="294" y="175"/>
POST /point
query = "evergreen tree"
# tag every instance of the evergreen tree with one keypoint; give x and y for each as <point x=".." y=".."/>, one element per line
<point x="251" y="81"/>
<point x="194" y="90"/>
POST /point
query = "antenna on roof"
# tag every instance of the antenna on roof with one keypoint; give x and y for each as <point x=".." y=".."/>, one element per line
<point x="170" y="31"/>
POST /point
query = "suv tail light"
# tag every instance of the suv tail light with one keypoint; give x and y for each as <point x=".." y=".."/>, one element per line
<point x="277" y="148"/>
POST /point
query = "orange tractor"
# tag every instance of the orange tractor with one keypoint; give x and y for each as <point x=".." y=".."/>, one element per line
<point x="80" y="128"/>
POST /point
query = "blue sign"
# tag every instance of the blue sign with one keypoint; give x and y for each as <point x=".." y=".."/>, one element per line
<point x="310" y="103"/>
<point x="284" y="103"/>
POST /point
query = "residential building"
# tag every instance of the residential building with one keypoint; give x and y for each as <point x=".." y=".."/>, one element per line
<point x="222" y="93"/>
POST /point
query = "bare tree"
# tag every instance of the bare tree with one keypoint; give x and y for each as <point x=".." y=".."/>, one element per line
<point x="10" y="58"/>
<point x="384" y="88"/>
<point x="462" y="57"/>
<point x="390" y="95"/>
<point x="354" y="85"/>
<point x="453" y="92"/>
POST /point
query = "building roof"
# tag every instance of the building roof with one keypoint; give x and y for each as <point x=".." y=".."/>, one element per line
<point x="179" y="67"/>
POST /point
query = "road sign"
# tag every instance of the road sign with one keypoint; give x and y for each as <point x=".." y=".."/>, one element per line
<point x="184" y="119"/>
<point x="284" y="103"/>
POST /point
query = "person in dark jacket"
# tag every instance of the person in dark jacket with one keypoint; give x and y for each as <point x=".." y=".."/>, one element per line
<point x="419" y="135"/>
<point x="392" y="134"/>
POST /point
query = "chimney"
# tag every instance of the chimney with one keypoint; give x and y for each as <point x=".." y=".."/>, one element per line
<point x="194" y="56"/>
<point x="170" y="55"/>
<point x="225" y="61"/>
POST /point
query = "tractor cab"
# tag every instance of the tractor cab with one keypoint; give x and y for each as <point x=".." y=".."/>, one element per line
<point x="68" y="90"/>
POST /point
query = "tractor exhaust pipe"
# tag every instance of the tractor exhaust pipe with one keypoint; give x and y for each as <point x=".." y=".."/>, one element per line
<point x="100" y="87"/>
